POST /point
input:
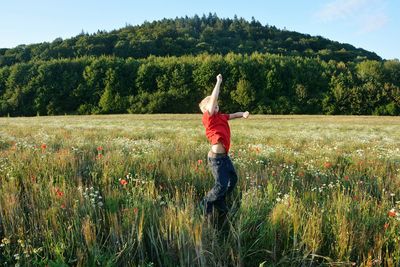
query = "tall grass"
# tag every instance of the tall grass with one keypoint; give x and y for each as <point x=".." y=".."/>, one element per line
<point x="124" y="191"/>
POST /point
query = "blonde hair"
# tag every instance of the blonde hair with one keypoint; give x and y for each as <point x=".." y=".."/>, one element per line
<point x="204" y="103"/>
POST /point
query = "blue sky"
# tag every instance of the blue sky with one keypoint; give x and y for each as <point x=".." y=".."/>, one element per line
<point x="370" y="24"/>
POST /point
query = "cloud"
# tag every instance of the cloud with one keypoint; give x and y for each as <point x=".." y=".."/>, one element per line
<point x="373" y="22"/>
<point x="368" y="15"/>
<point x="340" y="9"/>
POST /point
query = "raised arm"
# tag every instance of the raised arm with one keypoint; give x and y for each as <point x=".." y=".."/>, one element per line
<point x="239" y="115"/>
<point x="214" y="96"/>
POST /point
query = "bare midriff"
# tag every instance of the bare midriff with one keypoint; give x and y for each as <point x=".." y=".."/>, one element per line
<point x="218" y="148"/>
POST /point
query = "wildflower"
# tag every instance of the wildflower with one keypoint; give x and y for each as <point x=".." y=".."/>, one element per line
<point x="5" y="241"/>
<point x="99" y="156"/>
<point x="63" y="206"/>
<point x="386" y="226"/>
<point x="43" y="146"/>
<point x="135" y="210"/>
<point x="59" y="193"/>
<point x="123" y="182"/>
<point x="37" y="250"/>
<point x="346" y="177"/>
<point x="200" y="161"/>
<point x="99" y="148"/>
<point x="21" y="243"/>
<point x="392" y="213"/>
<point x="327" y="165"/>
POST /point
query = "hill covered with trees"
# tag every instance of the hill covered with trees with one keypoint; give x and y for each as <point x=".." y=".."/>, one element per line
<point x="188" y="36"/>
<point x="151" y="67"/>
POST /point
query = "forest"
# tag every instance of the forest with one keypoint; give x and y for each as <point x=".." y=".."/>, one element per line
<point x="168" y="66"/>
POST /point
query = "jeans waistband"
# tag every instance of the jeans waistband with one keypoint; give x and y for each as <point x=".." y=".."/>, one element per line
<point x="217" y="155"/>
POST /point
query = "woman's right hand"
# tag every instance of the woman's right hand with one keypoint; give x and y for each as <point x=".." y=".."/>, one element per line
<point x="219" y="78"/>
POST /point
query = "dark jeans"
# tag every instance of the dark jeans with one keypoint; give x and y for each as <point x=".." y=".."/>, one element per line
<point x="225" y="180"/>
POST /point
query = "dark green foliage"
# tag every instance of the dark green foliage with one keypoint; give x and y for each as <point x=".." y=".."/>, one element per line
<point x="183" y="36"/>
<point x="18" y="92"/>
<point x="113" y="72"/>
<point x="54" y="85"/>
<point x="260" y="83"/>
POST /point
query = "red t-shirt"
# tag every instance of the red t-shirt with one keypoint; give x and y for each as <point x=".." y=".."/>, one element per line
<point x="217" y="129"/>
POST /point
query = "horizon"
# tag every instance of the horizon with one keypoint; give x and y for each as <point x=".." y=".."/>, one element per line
<point x="367" y="24"/>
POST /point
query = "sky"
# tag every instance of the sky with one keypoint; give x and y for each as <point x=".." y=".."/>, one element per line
<point x="373" y="25"/>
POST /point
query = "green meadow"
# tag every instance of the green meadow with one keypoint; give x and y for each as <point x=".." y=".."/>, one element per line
<point x="123" y="190"/>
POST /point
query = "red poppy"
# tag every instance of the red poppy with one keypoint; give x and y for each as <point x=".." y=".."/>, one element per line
<point x="346" y="177"/>
<point x="99" y="148"/>
<point x="135" y="210"/>
<point x="392" y="213"/>
<point x="200" y="161"/>
<point x="327" y="165"/>
<point x="386" y="226"/>
<point x="99" y="156"/>
<point x="59" y="193"/>
<point x="43" y="146"/>
<point x="63" y="206"/>
<point x="123" y="182"/>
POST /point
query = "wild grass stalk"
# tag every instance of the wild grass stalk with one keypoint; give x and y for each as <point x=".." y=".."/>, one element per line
<point x="124" y="191"/>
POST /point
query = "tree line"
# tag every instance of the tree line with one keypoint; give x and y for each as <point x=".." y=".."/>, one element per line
<point x="188" y="36"/>
<point x="261" y="83"/>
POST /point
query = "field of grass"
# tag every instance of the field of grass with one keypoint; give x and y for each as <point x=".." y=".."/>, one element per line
<point x="123" y="190"/>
